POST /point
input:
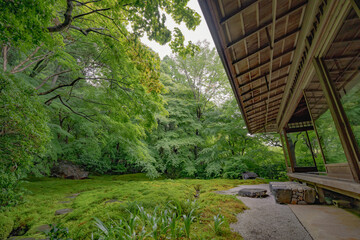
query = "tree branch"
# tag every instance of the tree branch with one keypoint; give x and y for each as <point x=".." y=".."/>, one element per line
<point x="60" y="86"/>
<point x="94" y="11"/>
<point x="48" y="102"/>
<point x="46" y="79"/>
<point x="86" y="31"/>
<point x="30" y="57"/>
<point x="84" y="3"/>
<point x="5" y="51"/>
<point x="67" y="21"/>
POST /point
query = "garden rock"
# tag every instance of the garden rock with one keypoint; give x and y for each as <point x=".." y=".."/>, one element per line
<point x="253" y="193"/>
<point x="43" y="228"/>
<point x="292" y="193"/>
<point x="66" y="169"/>
<point x="63" y="211"/>
<point x="249" y="175"/>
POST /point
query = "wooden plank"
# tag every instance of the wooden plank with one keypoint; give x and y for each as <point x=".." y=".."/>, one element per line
<point x="266" y="62"/>
<point x="266" y="46"/>
<point x="266" y="24"/>
<point x="263" y="85"/>
<point x="262" y="76"/>
<point x="261" y="94"/>
<point x="339" y="170"/>
<point x="345" y="187"/>
<point x="237" y="12"/>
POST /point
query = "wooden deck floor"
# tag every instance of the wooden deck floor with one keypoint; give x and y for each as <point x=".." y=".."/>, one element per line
<point x="343" y="186"/>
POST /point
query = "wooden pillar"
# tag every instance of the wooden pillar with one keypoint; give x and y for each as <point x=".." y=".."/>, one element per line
<point x="311" y="149"/>
<point x="315" y="129"/>
<point x="356" y="5"/>
<point x="292" y="160"/>
<point x="284" y="150"/>
<point x="342" y="124"/>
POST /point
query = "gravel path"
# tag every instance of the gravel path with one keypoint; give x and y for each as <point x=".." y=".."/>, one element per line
<point x="266" y="219"/>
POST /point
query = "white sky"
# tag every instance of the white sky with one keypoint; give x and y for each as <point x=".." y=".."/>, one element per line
<point x="201" y="32"/>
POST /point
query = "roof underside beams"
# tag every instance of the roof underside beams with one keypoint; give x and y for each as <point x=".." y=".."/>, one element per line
<point x="257" y="40"/>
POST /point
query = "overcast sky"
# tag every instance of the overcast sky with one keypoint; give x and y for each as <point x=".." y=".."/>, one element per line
<point x="201" y="33"/>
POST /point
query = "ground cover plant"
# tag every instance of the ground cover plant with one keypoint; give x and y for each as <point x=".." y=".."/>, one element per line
<point x="110" y="199"/>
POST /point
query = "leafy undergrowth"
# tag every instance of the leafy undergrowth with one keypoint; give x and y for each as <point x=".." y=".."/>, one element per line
<point x="128" y="190"/>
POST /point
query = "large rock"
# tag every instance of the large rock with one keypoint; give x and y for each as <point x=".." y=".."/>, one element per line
<point x="292" y="192"/>
<point x="249" y="175"/>
<point x="253" y="192"/>
<point x="66" y="169"/>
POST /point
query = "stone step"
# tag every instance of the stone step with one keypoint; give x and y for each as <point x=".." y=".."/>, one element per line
<point x="292" y="193"/>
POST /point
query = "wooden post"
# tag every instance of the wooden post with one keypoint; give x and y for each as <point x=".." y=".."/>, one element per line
<point x="292" y="161"/>
<point x="315" y="129"/>
<point x="283" y="147"/>
<point x="342" y="124"/>
<point x="311" y="149"/>
<point x="356" y="5"/>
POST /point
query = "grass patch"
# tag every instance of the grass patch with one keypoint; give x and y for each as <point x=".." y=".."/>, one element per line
<point x="48" y="193"/>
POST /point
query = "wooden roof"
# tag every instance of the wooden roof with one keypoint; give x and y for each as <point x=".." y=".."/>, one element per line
<point x="256" y="40"/>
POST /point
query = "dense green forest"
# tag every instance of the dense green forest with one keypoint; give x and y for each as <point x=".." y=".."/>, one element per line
<point x="77" y="84"/>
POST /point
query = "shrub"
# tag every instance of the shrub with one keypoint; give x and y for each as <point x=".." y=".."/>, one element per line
<point x="6" y="226"/>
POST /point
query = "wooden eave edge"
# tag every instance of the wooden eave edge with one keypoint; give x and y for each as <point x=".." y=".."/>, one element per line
<point x="214" y="30"/>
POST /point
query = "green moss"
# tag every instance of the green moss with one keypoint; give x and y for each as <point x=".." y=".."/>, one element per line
<point x="6" y="226"/>
<point x="41" y="204"/>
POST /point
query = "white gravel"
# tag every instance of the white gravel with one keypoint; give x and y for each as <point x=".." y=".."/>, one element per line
<point x="266" y="219"/>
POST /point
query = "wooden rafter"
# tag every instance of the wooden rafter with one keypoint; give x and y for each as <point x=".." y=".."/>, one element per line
<point x="225" y="19"/>
<point x="264" y="85"/>
<point x="262" y="76"/>
<point x="261" y="94"/>
<point x="266" y="62"/>
<point x="268" y="23"/>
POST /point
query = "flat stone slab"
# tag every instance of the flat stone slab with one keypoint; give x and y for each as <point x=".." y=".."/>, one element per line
<point x="73" y="195"/>
<point x="63" y="211"/>
<point x="63" y="202"/>
<point x="43" y="228"/>
<point x="253" y="192"/>
<point x="292" y="193"/>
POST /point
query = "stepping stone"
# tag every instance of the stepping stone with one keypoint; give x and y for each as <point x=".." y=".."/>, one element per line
<point x="113" y="200"/>
<point x="43" y="228"/>
<point x="73" y="195"/>
<point x="253" y="192"/>
<point x="62" y="202"/>
<point x="63" y="211"/>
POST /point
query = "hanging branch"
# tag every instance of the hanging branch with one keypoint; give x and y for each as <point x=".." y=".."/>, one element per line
<point x="46" y="79"/>
<point x="60" y="86"/>
<point x="94" y="11"/>
<point x="80" y="78"/>
<point x="48" y="102"/>
<point x="95" y="30"/>
<point x="29" y="58"/>
<point x="84" y="3"/>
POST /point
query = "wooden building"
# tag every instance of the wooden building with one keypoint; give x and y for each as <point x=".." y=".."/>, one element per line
<point x="294" y="67"/>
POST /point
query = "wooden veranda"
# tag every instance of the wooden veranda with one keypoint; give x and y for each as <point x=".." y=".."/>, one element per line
<point x="292" y="65"/>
